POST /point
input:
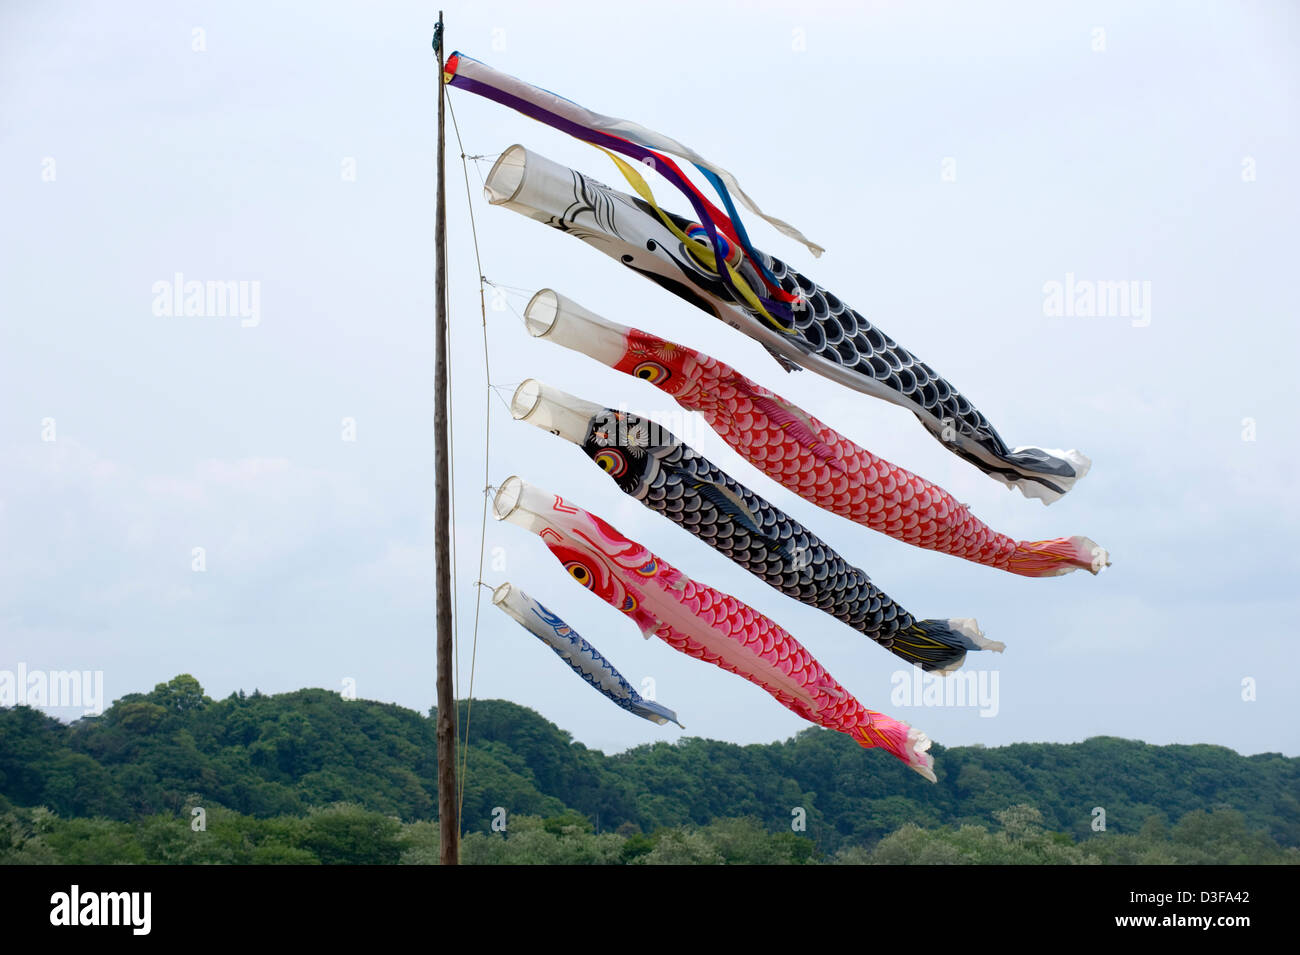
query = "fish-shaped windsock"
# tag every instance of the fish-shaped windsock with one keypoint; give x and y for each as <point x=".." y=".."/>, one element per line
<point x="822" y="334"/>
<point x="801" y="453"/>
<point x="584" y="659"/>
<point x="702" y="622"/>
<point x="652" y="465"/>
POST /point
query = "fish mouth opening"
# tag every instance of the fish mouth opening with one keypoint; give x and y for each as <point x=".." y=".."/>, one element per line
<point x="552" y="410"/>
<point x="541" y="313"/>
<point x="500" y="594"/>
<point x="526" y="398"/>
<point x="507" y="497"/>
<point x="506" y="177"/>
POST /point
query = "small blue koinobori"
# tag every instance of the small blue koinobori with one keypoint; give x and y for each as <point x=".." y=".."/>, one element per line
<point x="581" y="656"/>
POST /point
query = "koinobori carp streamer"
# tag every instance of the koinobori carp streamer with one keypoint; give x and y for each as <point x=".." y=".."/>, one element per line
<point x="702" y="622"/>
<point x="650" y="464"/>
<point x="584" y="659"/>
<point x="823" y="335"/>
<point x="800" y="452"/>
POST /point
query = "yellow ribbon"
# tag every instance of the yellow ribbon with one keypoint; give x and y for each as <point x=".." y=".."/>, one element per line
<point x="701" y="250"/>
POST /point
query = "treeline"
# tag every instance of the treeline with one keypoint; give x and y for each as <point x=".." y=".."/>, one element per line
<point x="274" y="768"/>
<point x="349" y="835"/>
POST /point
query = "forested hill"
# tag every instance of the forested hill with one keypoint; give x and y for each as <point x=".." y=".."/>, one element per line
<point x="277" y="756"/>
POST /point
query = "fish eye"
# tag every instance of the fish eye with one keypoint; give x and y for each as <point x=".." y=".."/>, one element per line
<point x="697" y="233"/>
<point x="652" y="372"/>
<point x="611" y="462"/>
<point x="579" y="572"/>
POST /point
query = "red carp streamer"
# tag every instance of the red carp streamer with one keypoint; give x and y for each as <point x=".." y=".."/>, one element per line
<point x="702" y="622"/>
<point x="803" y="454"/>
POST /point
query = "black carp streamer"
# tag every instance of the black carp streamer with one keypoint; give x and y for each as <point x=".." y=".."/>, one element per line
<point x="652" y="465"/>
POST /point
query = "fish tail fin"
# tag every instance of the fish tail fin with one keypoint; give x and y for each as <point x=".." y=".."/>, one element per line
<point x="907" y="743"/>
<point x="1045" y="474"/>
<point x="941" y="644"/>
<point x="1059" y="556"/>
<point x="650" y="710"/>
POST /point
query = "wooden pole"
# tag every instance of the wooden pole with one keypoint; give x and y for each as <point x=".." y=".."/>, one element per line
<point x="448" y="817"/>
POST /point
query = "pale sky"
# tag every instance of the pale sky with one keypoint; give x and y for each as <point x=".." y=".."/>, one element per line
<point x="1153" y="143"/>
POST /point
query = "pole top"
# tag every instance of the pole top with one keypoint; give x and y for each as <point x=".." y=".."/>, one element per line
<point x="437" y="35"/>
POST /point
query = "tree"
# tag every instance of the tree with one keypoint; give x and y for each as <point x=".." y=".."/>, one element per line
<point x="349" y="835"/>
<point x="181" y="694"/>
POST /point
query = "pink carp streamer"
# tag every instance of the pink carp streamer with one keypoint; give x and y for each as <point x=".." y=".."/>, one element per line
<point x="702" y="622"/>
<point x="803" y="454"/>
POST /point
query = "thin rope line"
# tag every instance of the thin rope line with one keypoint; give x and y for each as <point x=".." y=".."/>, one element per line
<point x="478" y="168"/>
<point x="500" y="393"/>
<point x="514" y="311"/>
<point x="487" y="454"/>
<point x="521" y="292"/>
<point x="516" y="291"/>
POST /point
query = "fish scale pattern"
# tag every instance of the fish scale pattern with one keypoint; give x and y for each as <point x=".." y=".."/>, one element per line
<point x="839" y="334"/>
<point x="826" y="468"/>
<point x="717" y="628"/>
<point x="652" y="465"/>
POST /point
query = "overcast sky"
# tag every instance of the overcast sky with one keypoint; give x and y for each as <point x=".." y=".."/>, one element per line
<point x="952" y="158"/>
